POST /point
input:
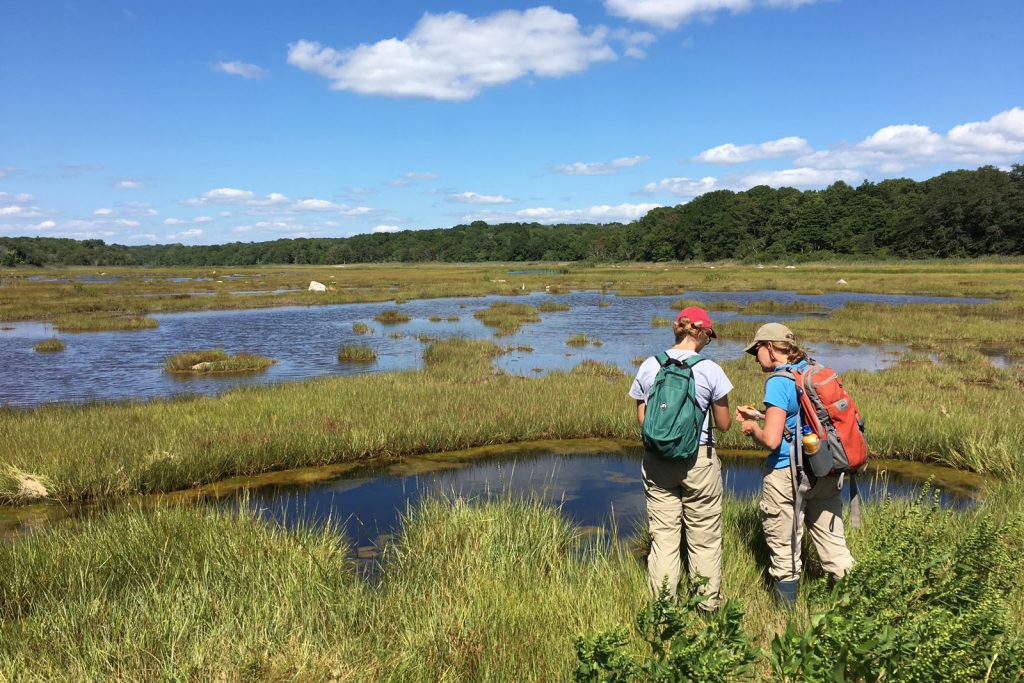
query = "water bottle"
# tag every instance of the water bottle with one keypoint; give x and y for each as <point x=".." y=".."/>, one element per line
<point x="810" y="440"/>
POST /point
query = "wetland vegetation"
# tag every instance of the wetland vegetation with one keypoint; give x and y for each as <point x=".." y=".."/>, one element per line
<point x="216" y="361"/>
<point x="50" y="346"/>
<point x="356" y="353"/>
<point x="498" y="589"/>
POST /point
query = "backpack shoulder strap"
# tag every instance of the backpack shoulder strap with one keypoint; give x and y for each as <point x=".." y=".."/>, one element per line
<point x="693" y="360"/>
<point x="663" y="359"/>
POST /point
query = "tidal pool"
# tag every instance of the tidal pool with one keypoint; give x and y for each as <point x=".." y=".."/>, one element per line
<point x="595" y="483"/>
<point x="104" y="366"/>
<point x="601" y="489"/>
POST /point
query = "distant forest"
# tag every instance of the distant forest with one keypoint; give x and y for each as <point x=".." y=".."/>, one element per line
<point x="956" y="214"/>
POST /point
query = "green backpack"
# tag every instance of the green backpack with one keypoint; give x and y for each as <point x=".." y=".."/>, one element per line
<point x="673" y="418"/>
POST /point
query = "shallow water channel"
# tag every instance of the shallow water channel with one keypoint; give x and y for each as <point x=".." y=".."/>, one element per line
<point x="102" y="366"/>
<point x="596" y="483"/>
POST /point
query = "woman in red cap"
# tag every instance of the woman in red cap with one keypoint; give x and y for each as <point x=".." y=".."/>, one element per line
<point x="684" y="496"/>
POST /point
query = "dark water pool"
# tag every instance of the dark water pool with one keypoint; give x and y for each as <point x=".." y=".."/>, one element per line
<point x="305" y="341"/>
<point x="593" y="490"/>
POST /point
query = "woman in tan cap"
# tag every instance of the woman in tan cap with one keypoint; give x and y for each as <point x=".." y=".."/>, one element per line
<point x="788" y="494"/>
<point x="684" y="496"/>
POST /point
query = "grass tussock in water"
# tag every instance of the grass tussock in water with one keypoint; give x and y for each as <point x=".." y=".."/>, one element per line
<point x="356" y="353"/>
<point x="658" y="321"/>
<point x="216" y="361"/>
<point x="103" y="323"/>
<point x="579" y="340"/>
<point x="506" y="317"/>
<point x="49" y="346"/>
<point x="360" y="328"/>
<point x="391" y="316"/>
<point x="552" y="307"/>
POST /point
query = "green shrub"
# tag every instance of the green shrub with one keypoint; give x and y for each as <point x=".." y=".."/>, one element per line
<point x="684" y="645"/>
<point x="922" y="604"/>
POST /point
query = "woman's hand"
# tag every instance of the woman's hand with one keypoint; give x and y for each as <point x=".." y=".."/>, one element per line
<point x="749" y="427"/>
<point x="748" y="413"/>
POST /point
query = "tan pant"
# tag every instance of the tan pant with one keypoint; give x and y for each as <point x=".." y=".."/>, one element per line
<point x="822" y="514"/>
<point x="684" y="500"/>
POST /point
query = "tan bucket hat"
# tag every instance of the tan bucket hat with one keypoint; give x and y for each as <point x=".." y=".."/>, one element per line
<point x="770" y="332"/>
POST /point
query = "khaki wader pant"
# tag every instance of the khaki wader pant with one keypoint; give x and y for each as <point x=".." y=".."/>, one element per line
<point x="684" y="501"/>
<point x="822" y="513"/>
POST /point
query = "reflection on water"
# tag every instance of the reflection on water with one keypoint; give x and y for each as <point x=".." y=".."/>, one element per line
<point x="305" y="342"/>
<point x="593" y="490"/>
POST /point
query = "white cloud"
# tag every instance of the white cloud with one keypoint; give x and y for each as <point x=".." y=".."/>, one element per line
<point x="174" y="221"/>
<point x="202" y="219"/>
<point x="186" y="234"/>
<point x="893" y="149"/>
<point x="13" y="211"/>
<point x="634" y="42"/>
<point x="669" y="14"/>
<point x="795" y="177"/>
<point x="602" y="213"/>
<point x="599" y="168"/>
<point x="420" y="176"/>
<point x="8" y="170"/>
<point x="103" y="212"/>
<point x="386" y="228"/>
<point x="453" y="57"/>
<point x="127" y="223"/>
<point x="245" y="70"/>
<point x="129" y="184"/>
<point x="740" y="154"/>
<point x="683" y="187"/>
<point x="46" y="225"/>
<point x="475" y="198"/>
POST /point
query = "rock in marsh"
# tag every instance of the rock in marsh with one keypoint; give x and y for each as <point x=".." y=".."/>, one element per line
<point x="315" y="286"/>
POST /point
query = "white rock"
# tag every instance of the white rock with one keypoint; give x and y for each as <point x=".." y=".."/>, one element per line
<point x="790" y="267"/>
<point x="315" y="286"/>
<point x="841" y="281"/>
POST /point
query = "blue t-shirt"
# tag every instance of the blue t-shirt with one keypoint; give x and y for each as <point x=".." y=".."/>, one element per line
<point x="780" y="392"/>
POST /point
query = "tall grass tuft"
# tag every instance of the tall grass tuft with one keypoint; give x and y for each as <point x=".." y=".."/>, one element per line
<point x="49" y="346"/>
<point x="356" y="353"/>
<point x="216" y="361"/>
<point x="552" y="306"/>
<point x="391" y="316"/>
<point x="360" y="328"/>
<point x="658" y="321"/>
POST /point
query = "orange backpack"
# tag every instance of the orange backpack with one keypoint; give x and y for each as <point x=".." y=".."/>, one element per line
<point x="833" y="416"/>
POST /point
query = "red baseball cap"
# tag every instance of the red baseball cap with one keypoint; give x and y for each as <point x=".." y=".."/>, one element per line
<point x="699" y="317"/>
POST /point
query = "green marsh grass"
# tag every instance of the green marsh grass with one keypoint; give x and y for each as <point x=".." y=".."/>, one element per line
<point x="93" y="323"/>
<point x="356" y="353"/>
<point x="506" y="317"/>
<point x="49" y="346"/>
<point x="467" y="590"/>
<point x="391" y="316"/>
<point x="658" y="321"/>
<point x="360" y="328"/>
<point x="963" y="415"/>
<point x="216" y="361"/>
<point x="580" y="340"/>
<point x="552" y="306"/>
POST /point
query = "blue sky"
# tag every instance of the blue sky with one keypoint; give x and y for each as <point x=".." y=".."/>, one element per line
<point x="209" y="122"/>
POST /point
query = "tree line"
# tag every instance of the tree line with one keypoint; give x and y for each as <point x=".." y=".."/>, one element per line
<point x="956" y="214"/>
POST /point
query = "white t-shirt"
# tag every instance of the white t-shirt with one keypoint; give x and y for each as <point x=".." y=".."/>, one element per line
<point x="712" y="384"/>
